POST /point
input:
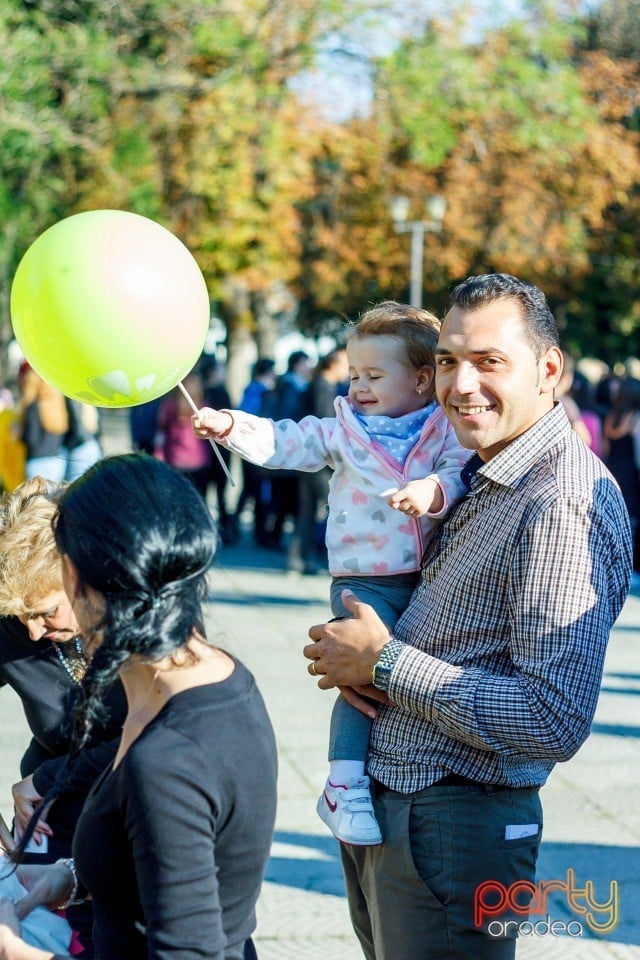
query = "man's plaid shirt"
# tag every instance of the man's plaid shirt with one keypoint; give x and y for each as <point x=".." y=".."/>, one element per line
<point x="505" y="635"/>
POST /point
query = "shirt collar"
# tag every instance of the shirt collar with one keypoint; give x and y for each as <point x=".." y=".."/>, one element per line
<point x="522" y="453"/>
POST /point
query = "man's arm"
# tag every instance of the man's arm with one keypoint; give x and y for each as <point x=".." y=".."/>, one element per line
<point x="278" y="444"/>
<point x="566" y="586"/>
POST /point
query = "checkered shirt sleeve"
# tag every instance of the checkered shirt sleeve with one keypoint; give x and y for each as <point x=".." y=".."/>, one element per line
<point x="505" y="636"/>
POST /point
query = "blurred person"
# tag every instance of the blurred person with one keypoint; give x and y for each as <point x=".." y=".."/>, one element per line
<point x="175" y="440"/>
<point x="563" y="394"/>
<point x="330" y="374"/>
<point x="12" y="448"/>
<point x="143" y="425"/>
<point x="82" y="440"/>
<point x="583" y="392"/>
<point x="287" y="401"/>
<point x="45" y="424"/>
<point x="255" y="487"/>
<point x="172" y="843"/>
<point x="263" y="379"/>
<point x="213" y="374"/>
<point x="606" y="391"/>
<point x="6" y="398"/>
<point x="307" y="550"/>
<point x="621" y="448"/>
<point x="42" y="659"/>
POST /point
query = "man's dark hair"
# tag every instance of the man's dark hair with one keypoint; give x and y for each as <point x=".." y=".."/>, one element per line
<point x="539" y="323"/>
<point x="328" y="360"/>
<point x="295" y="359"/>
<point x="263" y="366"/>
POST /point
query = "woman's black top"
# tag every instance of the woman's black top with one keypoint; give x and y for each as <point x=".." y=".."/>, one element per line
<point x="173" y="843"/>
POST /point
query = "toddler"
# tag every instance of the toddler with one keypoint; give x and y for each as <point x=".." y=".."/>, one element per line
<point x="396" y="472"/>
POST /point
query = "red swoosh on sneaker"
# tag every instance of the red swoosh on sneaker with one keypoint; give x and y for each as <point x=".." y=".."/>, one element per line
<point x="332" y="806"/>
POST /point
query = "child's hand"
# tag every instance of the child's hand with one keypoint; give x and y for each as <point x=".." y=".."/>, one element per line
<point x="209" y="423"/>
<point x="418" y="497"/>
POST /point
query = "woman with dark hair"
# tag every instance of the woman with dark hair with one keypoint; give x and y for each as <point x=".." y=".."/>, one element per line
<point x="583" y="393"/>
<point x="170" y="845"/>
<point x="621" y="446"/>
<point x="621" y="427"/>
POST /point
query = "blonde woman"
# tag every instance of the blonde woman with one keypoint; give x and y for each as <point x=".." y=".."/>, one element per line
<point x="45" y="423"/>
<point x="42" y="659"/>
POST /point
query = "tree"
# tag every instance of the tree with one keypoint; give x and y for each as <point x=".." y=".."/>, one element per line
<point x="183" y="112"/>
<point x="530" y="145"/>
<point x="603" y="307"/>
<point x="614" y="26"/>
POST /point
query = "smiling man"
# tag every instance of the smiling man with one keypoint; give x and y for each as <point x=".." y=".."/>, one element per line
<point x="493" y="672"/>
<point x="496" y="373"/>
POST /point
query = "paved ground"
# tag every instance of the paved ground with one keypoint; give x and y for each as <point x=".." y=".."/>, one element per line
<point x="592" y="806"/>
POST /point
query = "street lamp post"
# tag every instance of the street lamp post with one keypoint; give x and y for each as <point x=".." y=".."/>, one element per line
<point x="435" y="209"/>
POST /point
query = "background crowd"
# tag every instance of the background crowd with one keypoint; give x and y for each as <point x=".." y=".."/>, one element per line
<point x="43" y="433"/>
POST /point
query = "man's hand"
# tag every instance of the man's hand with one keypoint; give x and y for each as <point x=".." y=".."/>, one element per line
<point x="26" y="800"/>
<point x="209" y="423"/>
<point x="346" y="651"/>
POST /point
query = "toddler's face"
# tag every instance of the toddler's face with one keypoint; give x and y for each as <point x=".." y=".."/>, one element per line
<point x="381" y="381"/>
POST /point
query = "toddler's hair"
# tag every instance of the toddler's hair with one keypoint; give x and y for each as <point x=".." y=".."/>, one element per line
<point x="416" y="330"/>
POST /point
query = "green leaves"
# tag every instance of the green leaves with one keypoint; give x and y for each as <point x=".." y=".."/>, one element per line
<point x="187" y="112"/>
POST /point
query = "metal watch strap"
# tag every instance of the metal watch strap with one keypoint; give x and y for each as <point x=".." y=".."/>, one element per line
<point x="381" y="674"/>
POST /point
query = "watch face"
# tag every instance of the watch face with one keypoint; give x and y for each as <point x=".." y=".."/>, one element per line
<point x="384" y="666"/>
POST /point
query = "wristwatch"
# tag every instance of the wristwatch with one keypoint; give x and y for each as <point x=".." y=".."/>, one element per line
<point x="381" y="674"/>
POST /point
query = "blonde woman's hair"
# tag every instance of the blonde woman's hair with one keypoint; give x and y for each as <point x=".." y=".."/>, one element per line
<point x="29" y="559"/>
<point x="416" y="330"/>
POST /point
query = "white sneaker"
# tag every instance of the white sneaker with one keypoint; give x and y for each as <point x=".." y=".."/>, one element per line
<point x="347" y="810"/>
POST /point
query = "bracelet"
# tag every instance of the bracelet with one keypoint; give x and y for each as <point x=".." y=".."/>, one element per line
<point x="381" y="673"/>
<point x="225" y="433"/>
<point x="73" y="896"/>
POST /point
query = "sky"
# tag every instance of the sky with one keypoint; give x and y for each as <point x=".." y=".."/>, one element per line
<point x="341" y="85"/>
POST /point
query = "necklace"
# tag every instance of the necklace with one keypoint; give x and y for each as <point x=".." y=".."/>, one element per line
<point x="73" y="659"/>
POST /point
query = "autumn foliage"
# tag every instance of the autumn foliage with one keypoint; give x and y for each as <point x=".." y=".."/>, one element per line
<point x="212" y="117"/>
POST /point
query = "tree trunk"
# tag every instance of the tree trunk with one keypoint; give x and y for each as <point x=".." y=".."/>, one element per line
<point x="266" y="325"/>
<point x="241" y="349"/>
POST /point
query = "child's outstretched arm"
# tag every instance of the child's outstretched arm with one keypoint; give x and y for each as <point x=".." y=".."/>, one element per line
<point x="209" y="424"/>
<point x="281" y="444"/>
<point x="418" y="497"/>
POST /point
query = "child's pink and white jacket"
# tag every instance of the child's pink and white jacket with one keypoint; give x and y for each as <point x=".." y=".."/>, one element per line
<point x="364" y="534"/>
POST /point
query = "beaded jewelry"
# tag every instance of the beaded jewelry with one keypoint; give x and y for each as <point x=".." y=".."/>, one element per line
<point x="73" y="658"/>
<point x="72" y="899"/>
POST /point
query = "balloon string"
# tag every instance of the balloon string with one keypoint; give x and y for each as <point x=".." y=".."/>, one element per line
<point x="185" y="394"/>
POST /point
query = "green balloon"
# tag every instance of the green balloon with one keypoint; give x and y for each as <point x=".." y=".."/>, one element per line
<point x="110" y="308"/>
